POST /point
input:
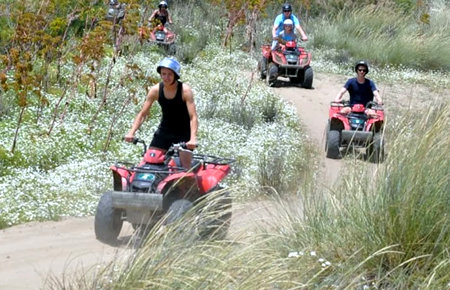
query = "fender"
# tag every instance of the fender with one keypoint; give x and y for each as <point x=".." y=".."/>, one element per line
<point x="210" y="177"/>
<point x="266" y="51"/>
<point x="120" y="178"/>
<point x="181" y="179"/>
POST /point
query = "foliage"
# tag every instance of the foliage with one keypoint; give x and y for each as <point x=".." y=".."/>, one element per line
<point x="386" y="38"/>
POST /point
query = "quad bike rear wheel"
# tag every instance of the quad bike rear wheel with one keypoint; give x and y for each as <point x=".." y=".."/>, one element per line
<point x="262" y="67"/>
<point x="108" y="220"/>
<point x="308" y="78"/>
<point x="216" y="216"/>
<point x="376" y="148"/>
<point x="177" y="210"/>
<point x="333" y="144"/>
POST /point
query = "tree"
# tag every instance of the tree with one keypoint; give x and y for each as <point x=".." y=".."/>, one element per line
<point x="241" y="12"/>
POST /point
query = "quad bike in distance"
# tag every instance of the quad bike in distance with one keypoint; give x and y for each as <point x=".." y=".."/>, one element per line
<point x="289" y="60"/>
<point x="160" y="187"/>
<point x="355" y="129"/>
<point x="159" y="35"/>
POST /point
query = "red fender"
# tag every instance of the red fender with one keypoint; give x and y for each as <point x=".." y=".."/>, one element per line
<point x="123" y="174"/>
<point x="211" y="176"/>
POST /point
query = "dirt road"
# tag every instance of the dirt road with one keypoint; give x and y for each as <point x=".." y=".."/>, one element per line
<point x="31" y="252"/>
<point x="312" y="109"/>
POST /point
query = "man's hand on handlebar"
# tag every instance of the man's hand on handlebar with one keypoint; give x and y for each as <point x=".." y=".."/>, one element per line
<point x="191" y="145"/>
<point x="129" y="138"/>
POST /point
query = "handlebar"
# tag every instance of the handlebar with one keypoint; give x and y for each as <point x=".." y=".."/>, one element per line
<point x="369" y="105"/>
<point x="182" y="146"/>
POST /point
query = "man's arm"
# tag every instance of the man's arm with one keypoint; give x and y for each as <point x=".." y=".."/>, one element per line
<point x="188" y="97"/>
<point x="339" y="96"/>
<point x="302" y="33"/>
<point x="299" y="28"/>
<point x="143" y="113"/>
<point x="274" y="30"/>
<point x="152" y="16"/>
<point x="276" y="24"/>
<point x="377" y="96"/>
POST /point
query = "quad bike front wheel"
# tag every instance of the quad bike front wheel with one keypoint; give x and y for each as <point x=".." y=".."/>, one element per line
<point x="108" y="220"/>
<point x="272" y="74"/>
<point x="308" y="78"/>
<point x="333" y="144"/>
<point x="262" y="67"/>
<point x="376" y="148"/>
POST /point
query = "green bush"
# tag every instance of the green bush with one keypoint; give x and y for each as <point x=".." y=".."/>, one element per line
<point x="386" y="38"/>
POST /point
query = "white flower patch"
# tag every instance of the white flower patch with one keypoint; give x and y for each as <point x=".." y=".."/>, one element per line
<point x="71" y="189"/>
<point x="67" y="173"/>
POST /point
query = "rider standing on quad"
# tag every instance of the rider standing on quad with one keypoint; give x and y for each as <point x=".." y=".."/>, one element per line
<point x="179" y="122"/>
<point x="279" y="21"/>
<point x="287" y="34"/>
<point x="116" y="11"/>
<point x="361" y="89"/>
<point x="161" y="15"/>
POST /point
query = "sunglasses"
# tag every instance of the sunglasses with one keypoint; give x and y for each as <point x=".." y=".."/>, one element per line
<point x="363" y="70"/>
<point x="286" y="11"/>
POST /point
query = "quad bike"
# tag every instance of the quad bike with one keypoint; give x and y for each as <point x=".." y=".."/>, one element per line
<point x="288" y="60"/>
<point x="159" y="35"/>
<point x="159" y="187"/>
<point x="355" y="129"/>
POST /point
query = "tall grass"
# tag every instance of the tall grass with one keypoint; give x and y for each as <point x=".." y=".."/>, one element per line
<point x="398" y="216"/>
<point x="387" y="37"/>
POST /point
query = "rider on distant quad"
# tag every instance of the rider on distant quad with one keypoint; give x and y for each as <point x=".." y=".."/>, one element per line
<point x="287" y="34"/>
<point x="161" y="15"/>
<point x="279" y="21"/>
<point x="116" y="11"/>
<point x="361" y="89"/>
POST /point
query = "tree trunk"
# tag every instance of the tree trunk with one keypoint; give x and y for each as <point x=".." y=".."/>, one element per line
<point x="16" y="135"/>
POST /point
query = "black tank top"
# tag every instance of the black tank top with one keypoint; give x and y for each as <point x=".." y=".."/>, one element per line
<point x="175" y="115"/>
<point x="162" y="18"/>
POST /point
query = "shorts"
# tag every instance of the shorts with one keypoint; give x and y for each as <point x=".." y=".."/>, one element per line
<point x="164" y="139"/>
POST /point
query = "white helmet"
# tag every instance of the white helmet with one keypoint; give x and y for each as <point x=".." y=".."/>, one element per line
<point x="162" y="4"/>
<point x="288" y="22"/>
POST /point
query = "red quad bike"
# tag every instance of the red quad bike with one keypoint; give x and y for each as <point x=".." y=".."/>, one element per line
<point x="159" y="36"/>
<point x="159" y="186"/>
<point x="290" y="61"/>
<point x="165" y="39"/>
<point x="355" y="129"/>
